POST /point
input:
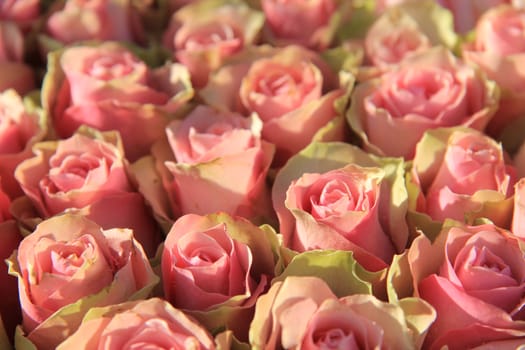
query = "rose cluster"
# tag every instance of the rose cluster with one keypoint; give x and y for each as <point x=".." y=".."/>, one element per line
<point x="262" y="174"/>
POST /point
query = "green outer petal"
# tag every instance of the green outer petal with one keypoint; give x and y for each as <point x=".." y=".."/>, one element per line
<point x="331" y="265"/>
<point x="419" y="314"/>
<point x="362" y="17"/>
<point x="227" y="341"/>
<point x="435" y="21"/>
<point x="21" y="342"/>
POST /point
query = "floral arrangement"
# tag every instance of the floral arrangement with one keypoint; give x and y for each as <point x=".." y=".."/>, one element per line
<point x="262" y="174"/>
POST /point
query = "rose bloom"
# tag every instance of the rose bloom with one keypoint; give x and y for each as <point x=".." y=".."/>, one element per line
<point x="21" y="126"/>
<point x="336" y="196"/>
<point x="283" y="20"/>
<point x="392" y="37"/>
<point x="339" y="209"/>
<point x="467" y="177"/>
<point x="220" y="156"/>
<point x="71" y="260"/>
<point x="203" y="34"/>
<point x="292" y="90"/>
<point x="474" y="277"/>
<point x="217" y="264"/>
<point x="499" y="51"/>
<point x="151" y="323"/>
<point x="108" y="88"/>
<point x="425" y="91"/>
<point x="303" y="313"/>
<point x="102" y="20"/>
<point x="87" y="173"/>
<point x="10" y="237"/>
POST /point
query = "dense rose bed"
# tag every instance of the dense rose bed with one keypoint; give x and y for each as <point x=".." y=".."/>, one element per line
<point x="262" y="174"/>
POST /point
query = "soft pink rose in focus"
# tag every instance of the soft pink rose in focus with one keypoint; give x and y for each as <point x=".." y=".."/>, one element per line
<point x="463" y="174"/>
<point x="292" y="90"/>
<point x="344" y="199"/>
<point x="427" y="90"/>
<point x="103" y="20"/>
<point x="217" y="266"/>
<point x="499" y="51"/>
<point x="107" y="87"/>
<point x="474" y="276"/>
<point x="303" y="313"/>
<point x="339" y="209"/>
<point x="87" y="173"/>
<point x="143" y="323"/>
<point x="21" y="126"/>
<point x="219" y="156"/>
<point x="70" y="264"/>
<point x="203" y="34"/>
<point x="285" y="22"/>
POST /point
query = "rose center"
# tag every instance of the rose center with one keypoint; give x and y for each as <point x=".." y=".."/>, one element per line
<point x="111" y="67"/>
<point x="211" y="35"/>
<point x="488" y="260"/>
<point x="335" y="339"/>
<point x="482" y="154"/>
<point x="337" y="198"/>
<point x="277" y="83"/>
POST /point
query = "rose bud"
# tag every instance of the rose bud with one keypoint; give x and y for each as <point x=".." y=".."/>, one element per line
<point x="68" y="265"/>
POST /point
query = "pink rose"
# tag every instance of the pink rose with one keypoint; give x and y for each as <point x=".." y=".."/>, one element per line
<point x="10" y="237"/>
<point x="392" y="37"/>
<point x="220" y="156"/>
<point x="203" y="34"/>
<point x="425" y="91"/>
<point x="144" y="323"/>
<point x="292" y="90"/>
<point x="467" y="13"/>
<point x="303" y="313"/>
<point x="499" y="51"/>
<point x="463" y="174"/>
<point x="87" y="173"/>
<point x="108" y="88"/>
<point x="474" y="276"/>
<point x="100" y="20"/>
<point x="70" y="264"/>
<point x="345" y="201"/>
<point x="283" y="17"/>
<point x="21" y="126"/>
<point x="217" y="264"/>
